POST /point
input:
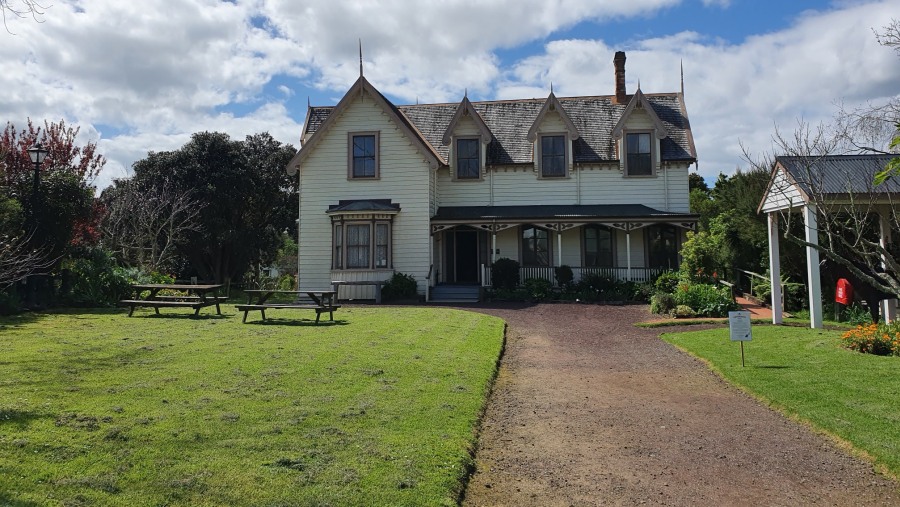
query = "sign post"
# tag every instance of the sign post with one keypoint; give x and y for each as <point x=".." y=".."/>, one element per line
<point x="739" y="323"/>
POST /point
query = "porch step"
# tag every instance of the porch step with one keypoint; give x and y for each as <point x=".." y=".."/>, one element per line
<point x="455" y="294"/>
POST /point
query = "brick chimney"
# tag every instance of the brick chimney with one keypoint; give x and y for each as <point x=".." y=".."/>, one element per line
<point x="619" y="62"/>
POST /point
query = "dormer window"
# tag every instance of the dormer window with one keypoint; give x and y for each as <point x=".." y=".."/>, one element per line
<point x="363" y="155"/>
<point x="639" y="159"/>
<point x="468" y="158"/>
<point x="553" y="156"/>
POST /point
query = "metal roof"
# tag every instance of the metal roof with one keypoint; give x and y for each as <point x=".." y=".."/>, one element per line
<point x="558" y="212"/>
<point x="839" y="174"/>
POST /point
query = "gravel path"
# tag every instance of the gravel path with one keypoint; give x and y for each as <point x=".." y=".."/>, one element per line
<point x="588" y="409"/>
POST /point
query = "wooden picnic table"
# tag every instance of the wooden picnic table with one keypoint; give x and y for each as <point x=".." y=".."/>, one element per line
<point x="322" y="302"/>
<point x="196" y="296"/>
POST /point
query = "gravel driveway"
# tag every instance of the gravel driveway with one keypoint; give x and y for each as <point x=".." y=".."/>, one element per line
<point x="588" y="409"/>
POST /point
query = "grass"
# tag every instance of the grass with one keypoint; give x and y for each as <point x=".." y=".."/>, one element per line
<point x="380" y="408"/>
<point x="807" y="375"/>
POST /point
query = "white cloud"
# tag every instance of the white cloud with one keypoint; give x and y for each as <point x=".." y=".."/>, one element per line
<point x="157" y="70"/>
<point x="736" y="93"/>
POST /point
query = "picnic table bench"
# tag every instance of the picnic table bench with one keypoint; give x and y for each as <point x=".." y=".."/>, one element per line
<point x="322" y="302"/>
<point x="196" y="297"/>
<point x="377" y="283"/>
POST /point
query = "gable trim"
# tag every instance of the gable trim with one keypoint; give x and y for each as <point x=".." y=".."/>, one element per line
<point x="552" y="104"/>
<point x="466" y="107"/>
<point x="638" y="99"/>
<point x="358" y="90"/>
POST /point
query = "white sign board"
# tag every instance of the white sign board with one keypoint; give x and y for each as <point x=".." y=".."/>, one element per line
<point x="739" y="322"/>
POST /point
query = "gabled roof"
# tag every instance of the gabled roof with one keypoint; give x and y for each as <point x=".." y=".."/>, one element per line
<point x="466" y="109"/>
<point x="552" y="105"/>
<point x="830" y="177"/>
<point x="359" y="88"/>
<point x="639" y="100"/>
<point x="509" y="121"/>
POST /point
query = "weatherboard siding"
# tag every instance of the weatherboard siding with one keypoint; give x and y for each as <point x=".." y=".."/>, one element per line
<point x="782" y="194"/>
<point x="404" y="178"/>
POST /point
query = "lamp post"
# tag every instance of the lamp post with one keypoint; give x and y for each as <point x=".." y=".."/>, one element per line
<point x="37" y="153"/>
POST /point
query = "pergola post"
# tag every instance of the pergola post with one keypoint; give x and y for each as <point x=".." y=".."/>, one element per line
<point x="888" y="306"/>
<point x="814" y="282"/>
<point x="775" y="269"/>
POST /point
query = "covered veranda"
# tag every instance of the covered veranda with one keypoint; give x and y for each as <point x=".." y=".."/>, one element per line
<point x="500" y="229"/>
<point x="818" y="188"/>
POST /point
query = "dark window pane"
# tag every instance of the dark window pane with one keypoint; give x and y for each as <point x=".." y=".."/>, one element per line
<point x="364" y="156"/>
<point x="663" y="246"/>
<point x="553" y="156"/>
<point x="598" y="247"/>
<point x="468" y="159"/>
<point x="535" y="247"/>
<point x="638" y="160"/>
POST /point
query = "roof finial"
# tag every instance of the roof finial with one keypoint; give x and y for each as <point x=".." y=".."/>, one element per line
<point x="639" y="84"/>
<point x="551" y="87"/>
<point x="466" y="93"/>
<point x="682" y="76"/>
<point x="360" y="58"/>
<point x="308" y="105"/>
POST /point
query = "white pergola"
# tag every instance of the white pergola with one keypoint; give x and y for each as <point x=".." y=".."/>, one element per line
<point x="797" y="184"/>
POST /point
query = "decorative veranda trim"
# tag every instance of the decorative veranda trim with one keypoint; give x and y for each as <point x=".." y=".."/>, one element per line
<point x="548" y="273"/>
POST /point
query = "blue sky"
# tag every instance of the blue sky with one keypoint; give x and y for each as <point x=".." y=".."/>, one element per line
<point x="143" y="76"/>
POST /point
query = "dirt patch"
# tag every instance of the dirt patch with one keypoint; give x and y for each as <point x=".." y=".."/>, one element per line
<point x="588" y="409"/>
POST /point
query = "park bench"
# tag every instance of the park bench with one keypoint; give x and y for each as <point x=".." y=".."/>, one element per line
<point x="322" y="301"/>
<point x="195" y="297"/>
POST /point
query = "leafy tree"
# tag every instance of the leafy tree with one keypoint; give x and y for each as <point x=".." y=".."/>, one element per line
<point x="243" y="194"/>
<point x="62" y="208"/>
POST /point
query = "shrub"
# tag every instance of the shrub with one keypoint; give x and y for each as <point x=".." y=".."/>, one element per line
<point x="667" y="282"/>
<point x="505" y="274"/>
<point x="684" y="312"/>
<point x="400" y="286"/>
<point x="95" y="280"/>
<point x="538" y="288"/>
<point x="878" y="339"/>
<point x="640" y="291"/>
<point x="564" y="275"/>
<point x="662" y="302"/>
<point x="9" y="301"/>
<point x="706" y="300"/>
<point x="857" y="315"/>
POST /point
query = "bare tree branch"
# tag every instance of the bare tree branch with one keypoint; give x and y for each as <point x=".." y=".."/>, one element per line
<point x="21" y="9"/>
<point x="19" y="260"/>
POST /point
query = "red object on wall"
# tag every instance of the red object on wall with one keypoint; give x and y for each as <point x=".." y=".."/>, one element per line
<point x="843" y="294"/>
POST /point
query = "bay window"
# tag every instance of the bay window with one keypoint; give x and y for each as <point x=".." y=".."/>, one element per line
<point x="362" y="245"/>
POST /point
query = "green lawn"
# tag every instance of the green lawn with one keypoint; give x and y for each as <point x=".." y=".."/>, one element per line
<point x="379" y="408"/>
<point x="805" y="373"/>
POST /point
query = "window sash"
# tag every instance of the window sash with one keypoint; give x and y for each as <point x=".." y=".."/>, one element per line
<point x="535" y="247"/>
<point x="364" y="156"/>
<point x="638" y="154"/>
<point x="598" y="249"/>
<point x="362" y="245"/>
<point x="553" y="155"/>
<point x="468" y="158"/>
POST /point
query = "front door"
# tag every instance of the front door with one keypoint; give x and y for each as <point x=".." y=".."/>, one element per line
<point x="466" y="256"/>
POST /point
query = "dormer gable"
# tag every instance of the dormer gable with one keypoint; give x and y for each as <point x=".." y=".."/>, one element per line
<point x="466" y="110"/>
<point x="552" y="105"/>
<point x="640" y="103"/>
<point x="360" y="90"/>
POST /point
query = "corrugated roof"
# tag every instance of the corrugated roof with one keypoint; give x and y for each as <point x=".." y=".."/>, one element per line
<point x="839" y="174"/>
<point x="509" y="121"/>
<point x="558" y="211"/>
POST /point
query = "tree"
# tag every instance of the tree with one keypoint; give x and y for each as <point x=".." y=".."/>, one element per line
<point x="244" y="195"/>
<point x="65" y="193"/>
<point x="143" y="226"/>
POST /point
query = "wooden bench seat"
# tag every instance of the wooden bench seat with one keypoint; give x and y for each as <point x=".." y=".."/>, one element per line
<point x="319" y="309"/>
<point x="156" y="304"/>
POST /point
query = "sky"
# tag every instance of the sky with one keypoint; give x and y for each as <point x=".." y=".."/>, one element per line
<point x="141" y="77"/>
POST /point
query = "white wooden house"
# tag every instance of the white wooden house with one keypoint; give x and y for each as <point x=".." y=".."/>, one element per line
<point x="439" y="191"/>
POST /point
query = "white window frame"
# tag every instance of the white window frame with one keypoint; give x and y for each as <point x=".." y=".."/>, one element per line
<point x="340" y="246"/>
